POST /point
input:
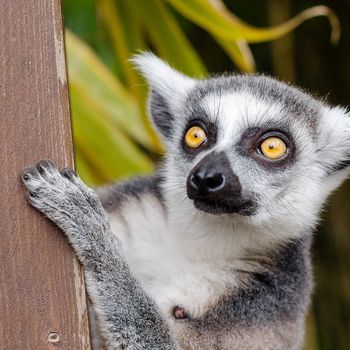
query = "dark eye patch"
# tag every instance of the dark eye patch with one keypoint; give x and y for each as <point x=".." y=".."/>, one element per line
<point x="252" y="138"/>
<point x="211" y="131"/>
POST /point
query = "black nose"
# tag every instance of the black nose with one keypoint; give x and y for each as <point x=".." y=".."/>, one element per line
<point x="207" y="180"/>
<point x="213" y="179"/>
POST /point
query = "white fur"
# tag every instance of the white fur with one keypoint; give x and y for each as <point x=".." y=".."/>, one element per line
<point x="169" y="262"/>
<point x="162" y="77"/>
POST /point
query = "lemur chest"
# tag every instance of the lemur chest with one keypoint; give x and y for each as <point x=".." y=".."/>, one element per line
<point x="170" y="270"/>
<point x="192" y="287"/>
<point x="175" y="280"/>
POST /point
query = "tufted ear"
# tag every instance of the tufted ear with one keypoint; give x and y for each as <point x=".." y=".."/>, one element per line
<point x="335" y="140"/>
<point x="168" y="89"/>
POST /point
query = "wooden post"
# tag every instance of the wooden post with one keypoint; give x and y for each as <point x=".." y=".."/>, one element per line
<point x="42" y="295"/>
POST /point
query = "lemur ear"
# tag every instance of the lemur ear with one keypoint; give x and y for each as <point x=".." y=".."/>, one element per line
<point x="168" y="88"/>
<point x="335" y="139"/>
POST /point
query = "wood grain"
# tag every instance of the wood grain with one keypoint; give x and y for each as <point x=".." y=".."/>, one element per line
<point x="42" y="295"/>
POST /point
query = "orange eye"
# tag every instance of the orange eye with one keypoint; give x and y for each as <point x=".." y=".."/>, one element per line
<point x="195" y="136"/>
<point x="273" y="148"/>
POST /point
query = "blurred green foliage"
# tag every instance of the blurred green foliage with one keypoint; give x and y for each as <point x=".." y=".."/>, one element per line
<point x="112" y="136"/>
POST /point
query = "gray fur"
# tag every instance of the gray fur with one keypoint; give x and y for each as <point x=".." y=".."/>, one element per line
<point x="244" y="281"/>
<point x="114" y="195"/>
<point x="160" y="113"/>
<point x="130" y="318"/>
<point x="280" y="291"/>
<point x="276" y="297"/>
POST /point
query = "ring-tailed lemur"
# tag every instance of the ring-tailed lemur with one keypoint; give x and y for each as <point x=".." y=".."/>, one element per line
<point x="212" y="252"/>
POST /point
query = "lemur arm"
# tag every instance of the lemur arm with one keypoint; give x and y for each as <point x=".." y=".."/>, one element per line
<point x="127" y="317"/>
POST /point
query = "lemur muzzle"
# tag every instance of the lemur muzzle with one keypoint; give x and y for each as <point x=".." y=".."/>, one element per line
<point x="213" y="179"/>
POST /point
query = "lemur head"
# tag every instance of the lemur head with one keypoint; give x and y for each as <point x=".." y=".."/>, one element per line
<point x="247" y="147"/>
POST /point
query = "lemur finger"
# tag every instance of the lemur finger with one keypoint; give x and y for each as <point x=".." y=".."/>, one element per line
<point x="48" y="170"/>
<point x="43" y="178"/>
<point x="69" y="173"/>
<point x="35" y="201"/>
<point x="31" y="196"/>
<point x="59" y="195"/>
<point x="90" y="194"/>
<point x="31" y="178"/>
<point x="34" y="176"/>
<point x="28" y="173"/>
<point x="72" y="176"/>
<point x="44" y="165"/>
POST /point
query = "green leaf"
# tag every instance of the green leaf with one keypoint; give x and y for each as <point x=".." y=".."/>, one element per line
<point x="109" y="152"/>
<point x="168" y="38"/>
<point x="215" y="18"/>
<point x="240" y="53"/>
<point x="85" y="170"/>
<point x="125" y="32"/>
<point x="117" y="33"/>
<point x="110" y="100"/>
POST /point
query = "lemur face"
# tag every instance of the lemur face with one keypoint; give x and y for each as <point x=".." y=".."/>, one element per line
<point x="247" y="145"/>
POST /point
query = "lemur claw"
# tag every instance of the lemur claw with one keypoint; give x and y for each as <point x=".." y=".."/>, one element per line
<point x="62" y="196"/>
<point x="68" y="173"/>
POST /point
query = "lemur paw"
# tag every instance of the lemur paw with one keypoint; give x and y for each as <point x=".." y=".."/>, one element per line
<point x="63" y="198"/>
